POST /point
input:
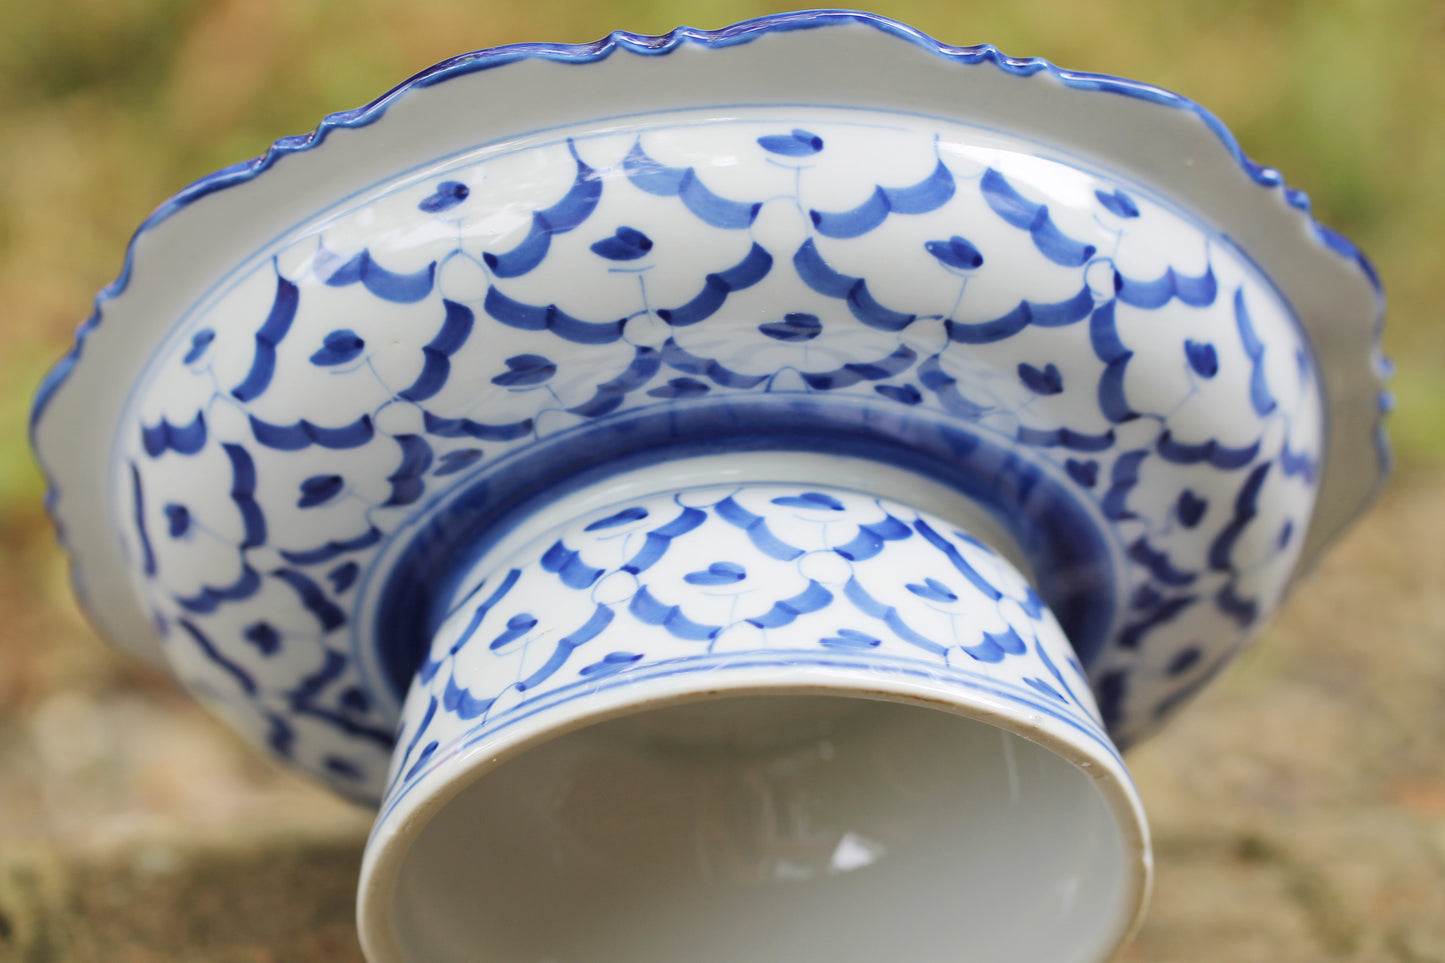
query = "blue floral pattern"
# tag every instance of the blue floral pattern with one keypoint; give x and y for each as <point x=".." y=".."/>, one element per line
<point x="716" y="579"/>
<point x="1106" y="374"/>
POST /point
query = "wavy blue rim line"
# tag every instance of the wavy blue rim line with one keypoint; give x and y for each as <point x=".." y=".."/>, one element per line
<point x="739" y="33"/>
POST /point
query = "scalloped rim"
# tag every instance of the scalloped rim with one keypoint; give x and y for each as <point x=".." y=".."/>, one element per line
<point x="744" y="32"/>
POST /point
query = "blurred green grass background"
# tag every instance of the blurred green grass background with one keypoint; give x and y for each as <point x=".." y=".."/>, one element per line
<point x="108" y="106"/>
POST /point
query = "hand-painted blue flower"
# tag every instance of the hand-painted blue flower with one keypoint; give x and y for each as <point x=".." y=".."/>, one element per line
<point x="1184" y="660"/>
<point x="634" y="514"/>
<point x="447" y="196"/>
<point x="1202" y="358"/>
<point x="679" y="388"/>
<point x="178" y="519"/>
<point x="718" y="573"/>
<point x="200" y="341"/>
<point x="338" y="347"/>
<point x="1146" y="596"/>
<point x="1048" y="381"/>
<point x="905" y="394"/>
<point x="800" y="143"/>
<point x="319" y="489"/>
<point x="609" y="663"/>
<point x="517" y="626"/>
<point x="933" y="590"/>
<point x="264" y="637"/>
<point x="356" y="699"/>
<point x="455" y="461"/>
<point x="1190" y="508"/>
<point x="814" y="500"/>
<point x="955" y="253"/>
<point x="796" y="326"/>
<point x="850" y="639"/>
<point x="342" y="576"/>
<point x="1118" y="203"/>
<point x="1086" y="473"/>
<point x="525" y="369"/>
<point x="626" y="244"/>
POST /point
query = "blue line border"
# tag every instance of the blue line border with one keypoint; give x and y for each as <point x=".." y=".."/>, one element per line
<point x="710" y="666"/>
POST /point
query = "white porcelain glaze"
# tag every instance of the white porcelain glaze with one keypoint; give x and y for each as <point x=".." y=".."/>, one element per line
<point x="335" y="387"/>
<point x="760" y="722"/>
<point x="847" y="282"/>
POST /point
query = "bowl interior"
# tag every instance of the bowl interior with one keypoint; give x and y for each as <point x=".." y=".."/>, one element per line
<point x="771" y="828"/>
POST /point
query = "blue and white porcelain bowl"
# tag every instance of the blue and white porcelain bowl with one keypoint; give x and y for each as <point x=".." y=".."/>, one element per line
<point x="341" y="393"/>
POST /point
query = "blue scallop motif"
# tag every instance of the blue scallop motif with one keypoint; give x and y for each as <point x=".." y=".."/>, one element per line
<point x="927" y="195"/>
<point x="210" y="597"/>
<point x="648" y="175"/>
<point x="812" y="599"/>
<point x="243" y="494"/>
<point x="384" y="284"/>
<point x="608" y="397"/>
<point x="674" y="356"/>
<point x="816" y="273"/>
<point x="436" y="355"/>
<point x="467" y="428"/>
<point x="1197" y="292"/>
<point x="575" y="207"/>
<point x="182" y="439"/>
<point x="1026" y="215"/>
<point x="1055" y="314"/>
<point x="754" y="266"/>
<point x="854" y="371"/>
<point x="1259" y="394"/>
<point x="268" y="337"/>
<point x="406" y="481"/>
<point x="527" y="317"/>
<point x="303" y="434"/>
